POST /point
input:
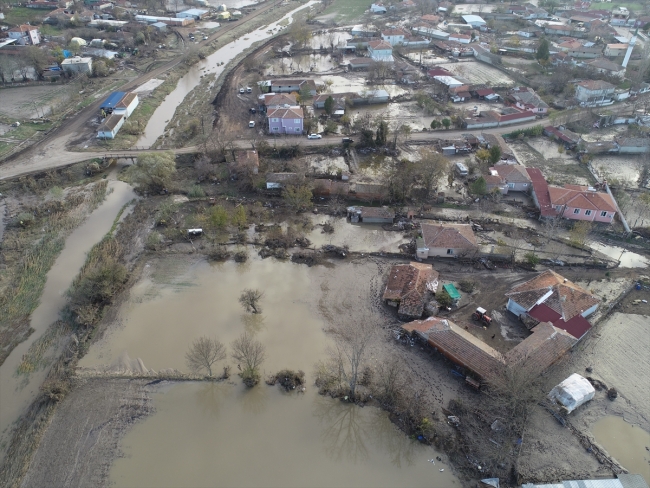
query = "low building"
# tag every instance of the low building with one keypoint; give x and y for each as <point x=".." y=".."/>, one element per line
<point x="461" y="38"/>
<point x="192" y="13"/>
<point x="564" y="136"/>
<point x="269" y="101"/>
<point x="575" y="202"/>
<point x="607" y="67"/>
<point x="25" y="35"/>
<point x="369" y="192"/>
<point x="111" y="101"/>
<point x="446" y="240"/>
<point x="408" y="288"/>
<point x="549" y="297"/>
<point x="515" y="177"/>
<point x="338" y="98"/>
<point x="277" y="181"/>
<point x="621" y="481"/>
<point x="285" y="120"/>
<point x="381" y="51"/>
<point x="360" y="63"/>
<point x="77" y="64"/>
<point x="288" y="86"/>
<point x="377" y="8"/>
<point x="494" y="182"/>
<point x="110" y="126"/>
<point x="394" y="37"/>
<point x="475" y="21"/>
<point x="633" y="145"/>
<point x="174" y="21"/>
<point x="526" y="99"/>
<point x="127" y="105"/>
<point x="492" y="140"/>
<point x="540" y="193"/>
<point x="376" y="215"/>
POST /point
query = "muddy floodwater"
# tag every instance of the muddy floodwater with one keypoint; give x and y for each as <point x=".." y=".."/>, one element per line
<point x="627" y="258"/>
<point x="17" y="392"/>
<point x="223" y="434"/>
<point x="628" y="444"/>
<point x="226" y="435"/>
<point x="213" y="64"/>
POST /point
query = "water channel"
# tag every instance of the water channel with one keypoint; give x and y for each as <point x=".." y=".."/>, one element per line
<point x="225" y="434"/>
<point x="18" y="392"/>
<point x="215" y="63"/>
<point x="628" y="444"/>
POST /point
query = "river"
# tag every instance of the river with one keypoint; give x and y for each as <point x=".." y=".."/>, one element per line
<point x="215" y="63"/>
<point x="19" y="392"/>
<point x="206" y="434"/>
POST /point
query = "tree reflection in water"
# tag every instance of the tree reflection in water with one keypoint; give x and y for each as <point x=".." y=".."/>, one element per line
<point x="253" y="400"/>
<point x="253" y="322"/>
<point x="210" y="396"/>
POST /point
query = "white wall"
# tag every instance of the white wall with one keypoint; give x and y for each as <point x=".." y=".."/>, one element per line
<point x="515" y="308"/>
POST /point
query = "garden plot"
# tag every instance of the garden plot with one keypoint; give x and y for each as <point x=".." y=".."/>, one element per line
<point x="478" y="73"/>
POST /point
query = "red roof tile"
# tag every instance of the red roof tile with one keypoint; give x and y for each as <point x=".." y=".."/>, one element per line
<point x="540" y="187"/>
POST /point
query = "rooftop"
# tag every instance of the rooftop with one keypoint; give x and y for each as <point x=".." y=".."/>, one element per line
<point x="407" y="283"/>
<point x="456" y="236"/>
<point x="513" y="173"/>
<point x="581" y="197"/>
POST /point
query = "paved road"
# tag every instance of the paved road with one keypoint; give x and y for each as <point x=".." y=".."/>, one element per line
<point x="55" y="155"/>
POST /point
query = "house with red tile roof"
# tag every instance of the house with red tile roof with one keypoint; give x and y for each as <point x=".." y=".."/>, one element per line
<point x="526" y="99"/>
<point x="549" y="297"/>
<point x="408" y="287"/>
<point x="540" y="193"/>
<point x="448" y="240"/>
<point x="577" y="202"/>
<point x="515" y="176"/>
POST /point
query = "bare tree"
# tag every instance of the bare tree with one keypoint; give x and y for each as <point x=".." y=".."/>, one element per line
<point x="251" y="353"/>
<point x="431" y="167"/>
<point x="351" y="347"/>
<point x="249" y="299"/>
<point x="581" y="233"/>
<point x="203" y="353"/>
<point x="550" y="227"/>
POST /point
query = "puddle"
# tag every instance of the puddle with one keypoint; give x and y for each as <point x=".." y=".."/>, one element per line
<point x="165" y="111"/>
<point x="627" y="443"/>
<point x="16" y="396"/>
<point x="358" y="237"/>
<point x="628" y="259"/>
<point x="224" y="435"/>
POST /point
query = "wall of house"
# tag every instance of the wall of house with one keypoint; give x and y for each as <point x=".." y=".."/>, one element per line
<point x="285" y="126"/>
<point x="515" y="308"/>
<point x="569" y="213"/>
<point x="442" y="252"/>
<point x="519" y="186"/>
<point x="376" y="220"/>
<point x="589" y="311"/>
<point x="607" y="219"/>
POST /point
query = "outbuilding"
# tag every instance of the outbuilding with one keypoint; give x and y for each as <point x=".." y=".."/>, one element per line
<point x="475" y="21"/>
<point x="110" y="127"/>
<point x="113" y="99"/>
<point x="377" y="215"/>
<point x="127" y="105"/>
<point x="193" y="13"/>
<point x="77" y="64"/>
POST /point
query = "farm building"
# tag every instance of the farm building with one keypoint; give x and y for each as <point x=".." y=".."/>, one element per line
<point x="448" y="240"/>
<point x="127" y="105"/>
<point x="192" y="13"/>
<point x="552" y="298"/>
<point x="408" y="288"/>
<point x="77" y="64"/>
<point x="110" y="127"/>
<point x="111" y="101"/>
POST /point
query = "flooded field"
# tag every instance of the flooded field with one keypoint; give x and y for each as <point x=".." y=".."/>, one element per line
<point x="228" y="435"/>
<point x="317" y="63"/>
<point x="358" y="237"/>
<point x="627" y="258"/>
<point x="627" y="443"/>
<point x="623" y="168"/>
<point x="213" y="64"/>
<point x="18" y="392"/>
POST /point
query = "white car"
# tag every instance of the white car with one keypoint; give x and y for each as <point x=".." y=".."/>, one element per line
<point x="205" y="38"/>
<point x="251" y="124"/>
<point x="242" y="90"/>
<point x="314" y="136"/>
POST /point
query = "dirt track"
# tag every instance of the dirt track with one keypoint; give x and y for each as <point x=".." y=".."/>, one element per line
<point x="83" y="438"/>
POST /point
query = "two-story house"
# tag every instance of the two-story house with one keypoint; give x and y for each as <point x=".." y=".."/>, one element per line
<point x="594" y="92"/>
<point x="526" y="99"/>
<point x="285" y="120"/>
<point x="394" y="37"/>
<point x="25" y="35"/>
<point x="381" y="51"/>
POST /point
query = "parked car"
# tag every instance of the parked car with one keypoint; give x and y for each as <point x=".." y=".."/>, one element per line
<point x="314" y="136"/>
<point x="252" y="110"/>
<point x="347" y="140"/>
<point x="241" y="90"/>
<point x="205" y="38"/>
<point x="249" y="89"/>
<point x="251" y="123"/>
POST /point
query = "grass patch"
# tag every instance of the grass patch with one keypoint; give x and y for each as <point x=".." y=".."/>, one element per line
<point x="346" y="10"/>
<point x="50" y="30"/>
<point x="22" y="15"/>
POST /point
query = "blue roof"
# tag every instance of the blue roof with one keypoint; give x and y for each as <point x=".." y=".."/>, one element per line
<point x="112" y="100"/>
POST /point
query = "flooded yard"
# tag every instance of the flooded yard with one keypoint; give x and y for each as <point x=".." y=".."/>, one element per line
<point x="229" y="435"/>
<point x="479" y="73"/>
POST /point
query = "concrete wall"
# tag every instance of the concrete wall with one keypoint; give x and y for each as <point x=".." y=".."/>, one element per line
<point x="515" y="308"/>
<point x="442" y="252"/>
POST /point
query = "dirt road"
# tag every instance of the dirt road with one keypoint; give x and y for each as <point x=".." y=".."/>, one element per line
<point x="52" y="153"/>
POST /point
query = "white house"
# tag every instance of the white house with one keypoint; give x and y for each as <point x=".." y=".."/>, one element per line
<point x="110" y="127"/>
<point x="594" y="92"/>
<point x="127" y="105"/>
<point x="380" y="51"/>
<point x="475" y="21"/>
<point x="77" y="64"/>
<point x="448" y="240"/>
<point x="461" y="38"/>
<point x="377" y="8"/>
<point x="394" y="37"/>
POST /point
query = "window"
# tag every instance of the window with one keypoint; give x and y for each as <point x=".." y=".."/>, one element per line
<point x="450" y="251"/>
<point x="587" y="212"/>
<point x="296" y="121"/>
<point x="603" y="214"/>
<point x="524" y="184"/>
<point x="576" y="210"/>
<point x="511" y="185"/>
<point x="297" y="129"/>
<point x="276" y="129"/>
<point x="274" y="120"/>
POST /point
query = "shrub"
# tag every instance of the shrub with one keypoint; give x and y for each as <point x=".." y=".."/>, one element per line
<point x="25" y="219"/>
<point x="467" y="286"/>
<point x="196" y="192"/>
<point x="532" y="258"/>
<point x="153" y="240"/>
<point x="443" y="299"/>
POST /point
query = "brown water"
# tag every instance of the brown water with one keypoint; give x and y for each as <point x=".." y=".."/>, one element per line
<point x="17" y="393"/>
<point x="227" y="435"/>
<point x="215" y="63"/>
<point x="627" y="443"/>
<point x="358" y="237"/>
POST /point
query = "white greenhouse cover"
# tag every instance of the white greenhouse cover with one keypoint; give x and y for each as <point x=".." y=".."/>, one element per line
<point x="573" y="392"/>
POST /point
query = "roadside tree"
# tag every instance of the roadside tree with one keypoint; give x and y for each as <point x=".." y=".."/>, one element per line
<point x="446" y="123"/>
<point x="203" y="353"/>
<point x="251" y="353"/>
<point x="435" y="124"/>
<point x="250" y="300"/>
<point x="154" y="171"/>
<point x="329" y="105"/>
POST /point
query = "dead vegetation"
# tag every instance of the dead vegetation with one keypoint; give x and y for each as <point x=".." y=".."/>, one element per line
<point x="287" y="379"/>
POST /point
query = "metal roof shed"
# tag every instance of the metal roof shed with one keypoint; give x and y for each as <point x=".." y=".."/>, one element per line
<point x="452" y="291"/>
<point x="113" y="99"/>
